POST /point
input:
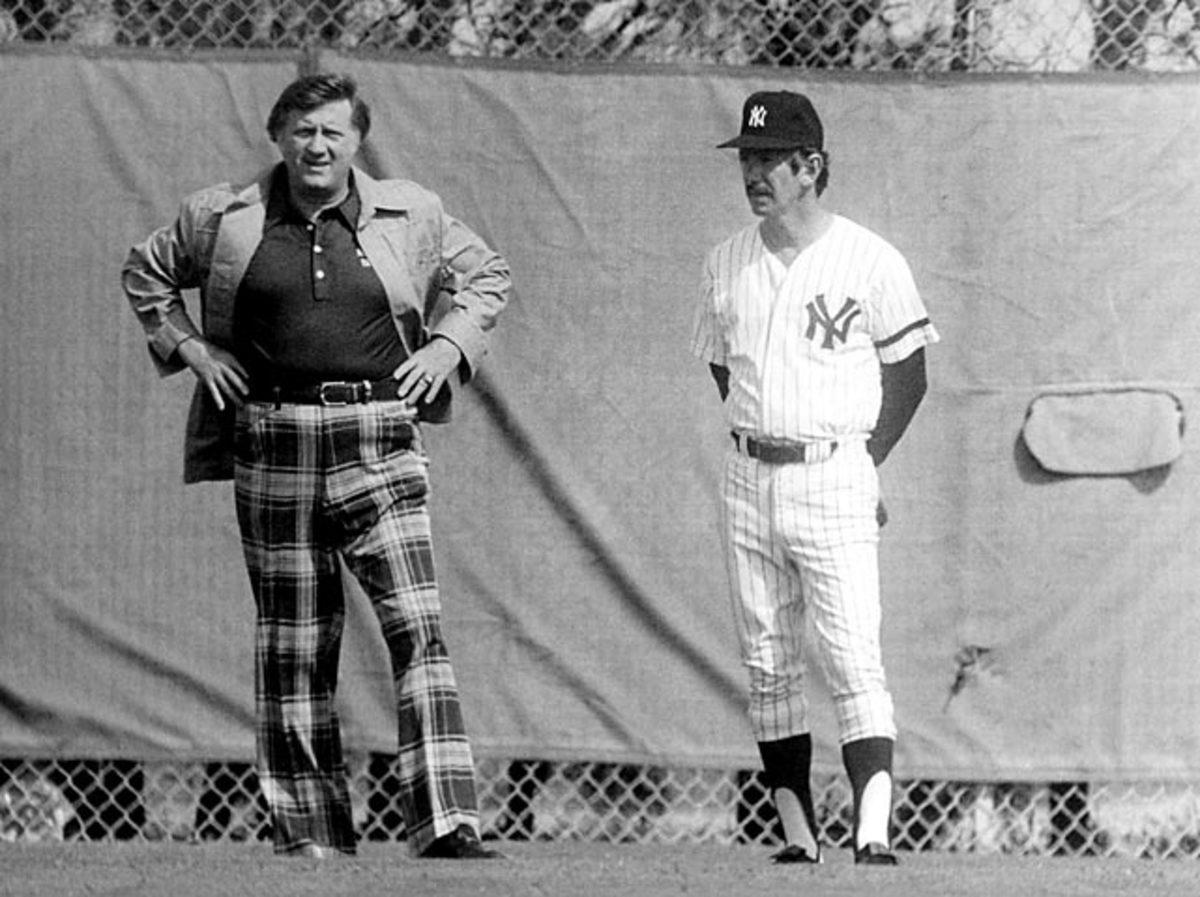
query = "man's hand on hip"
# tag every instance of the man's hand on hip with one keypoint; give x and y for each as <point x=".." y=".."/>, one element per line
<point x="424" y="374"/>
<point x="222" y="374"/>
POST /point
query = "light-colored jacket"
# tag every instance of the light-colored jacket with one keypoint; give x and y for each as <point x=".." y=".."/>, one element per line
<point x="425" y="259"/>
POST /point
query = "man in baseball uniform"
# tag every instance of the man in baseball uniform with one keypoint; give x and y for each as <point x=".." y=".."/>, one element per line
<point x="815" y="334"/>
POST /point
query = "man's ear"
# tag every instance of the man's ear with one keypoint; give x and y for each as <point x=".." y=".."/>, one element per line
<point x="812" y="162"/>
<point x="815" y="163"/>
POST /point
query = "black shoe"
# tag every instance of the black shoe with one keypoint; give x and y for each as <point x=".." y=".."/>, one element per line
<point x="795" y="854"/>
<point x="875" y="854"/>
<point x="460" y="844"/>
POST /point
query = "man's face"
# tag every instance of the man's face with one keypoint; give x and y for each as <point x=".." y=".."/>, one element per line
<point x="318" y="148"/>
<point x="771" y="184"/>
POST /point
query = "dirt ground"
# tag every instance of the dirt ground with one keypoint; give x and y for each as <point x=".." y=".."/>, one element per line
<point x="571" y="869"/>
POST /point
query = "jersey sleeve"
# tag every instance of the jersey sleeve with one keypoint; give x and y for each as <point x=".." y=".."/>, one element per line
<point x="900" y="325"/>
<point x="708" y="344"/>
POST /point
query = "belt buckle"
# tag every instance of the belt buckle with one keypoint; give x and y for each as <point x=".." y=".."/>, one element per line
<point x="336" y="384"/>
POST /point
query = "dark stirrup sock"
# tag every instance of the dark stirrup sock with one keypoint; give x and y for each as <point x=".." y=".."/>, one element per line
<point x="863" y="759"/>
<point x="787" y="765"/>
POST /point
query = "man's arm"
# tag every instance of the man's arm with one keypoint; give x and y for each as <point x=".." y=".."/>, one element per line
<point x="904" y="386"/>
<point x="154" y="276"/>
<point x="478" y="287"/>
<point x="480" y="283"/>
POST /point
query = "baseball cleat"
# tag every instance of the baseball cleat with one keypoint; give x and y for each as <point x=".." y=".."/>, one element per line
<point x="875" y="854"/>
<point x="312" y="851"/>
<point x="796" y="854"/>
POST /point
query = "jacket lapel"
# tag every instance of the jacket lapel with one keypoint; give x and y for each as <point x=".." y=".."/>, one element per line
<point x="238" y="237"/>
<point x="386" y="256"/>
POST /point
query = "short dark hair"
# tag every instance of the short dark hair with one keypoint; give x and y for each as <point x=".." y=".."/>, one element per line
<point x="312" y="91"/>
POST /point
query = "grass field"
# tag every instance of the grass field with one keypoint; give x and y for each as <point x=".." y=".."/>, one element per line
<point x="570" y="869"/>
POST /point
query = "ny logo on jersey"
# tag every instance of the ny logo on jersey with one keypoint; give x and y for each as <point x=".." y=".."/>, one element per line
<point x="758" y="117"/>
<point x="836" y="327"/>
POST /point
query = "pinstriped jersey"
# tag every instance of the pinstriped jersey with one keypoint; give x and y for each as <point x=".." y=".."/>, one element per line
<point x="803" y="342"/>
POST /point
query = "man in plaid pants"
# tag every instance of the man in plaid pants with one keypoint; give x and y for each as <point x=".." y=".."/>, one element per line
<point x="335" y="309"/>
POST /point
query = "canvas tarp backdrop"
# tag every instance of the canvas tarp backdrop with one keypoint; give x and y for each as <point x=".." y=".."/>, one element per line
<point x="1038" y="624"/>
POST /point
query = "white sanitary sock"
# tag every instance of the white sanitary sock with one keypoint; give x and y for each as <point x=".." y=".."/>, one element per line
<point x="875" y="811"/>
<point x="795" y="825"/>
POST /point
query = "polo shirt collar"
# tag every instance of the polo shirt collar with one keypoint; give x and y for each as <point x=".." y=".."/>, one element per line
<point x="279" y="202"/>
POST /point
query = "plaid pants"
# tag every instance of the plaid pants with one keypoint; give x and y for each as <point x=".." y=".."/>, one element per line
<point x="314" y="483"/>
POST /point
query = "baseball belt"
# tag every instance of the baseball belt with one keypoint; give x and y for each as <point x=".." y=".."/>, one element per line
<point x="783" y="452"/>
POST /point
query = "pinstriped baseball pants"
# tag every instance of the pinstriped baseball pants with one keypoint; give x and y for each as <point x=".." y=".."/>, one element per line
<point x="801" y="543"/>
<point x="313" y="483"/>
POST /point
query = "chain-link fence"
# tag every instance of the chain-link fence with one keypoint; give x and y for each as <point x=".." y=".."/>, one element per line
<point x="926" y="35"/>
<point x="536" y="799"/>
<point x="540" y="800"/>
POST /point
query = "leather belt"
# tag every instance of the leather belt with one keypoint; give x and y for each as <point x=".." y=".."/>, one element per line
<point x="330" y="392"/>
<point x="783" y="452"/>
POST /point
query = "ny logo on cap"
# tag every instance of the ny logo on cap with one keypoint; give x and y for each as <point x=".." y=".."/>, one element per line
<point x="758" y="117"/>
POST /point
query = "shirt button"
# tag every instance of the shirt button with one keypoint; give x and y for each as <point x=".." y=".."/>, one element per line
<point x="318" y="249"/>
<point x="320" y="275"/>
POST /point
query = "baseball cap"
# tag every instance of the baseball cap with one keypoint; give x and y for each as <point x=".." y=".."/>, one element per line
<point x="778" y="119"/>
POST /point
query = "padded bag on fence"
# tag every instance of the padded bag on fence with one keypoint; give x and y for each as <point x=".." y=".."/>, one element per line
<point x="1104" y="432"/>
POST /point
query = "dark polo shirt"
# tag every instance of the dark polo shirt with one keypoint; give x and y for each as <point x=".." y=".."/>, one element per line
<point x="311" y="307"/>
